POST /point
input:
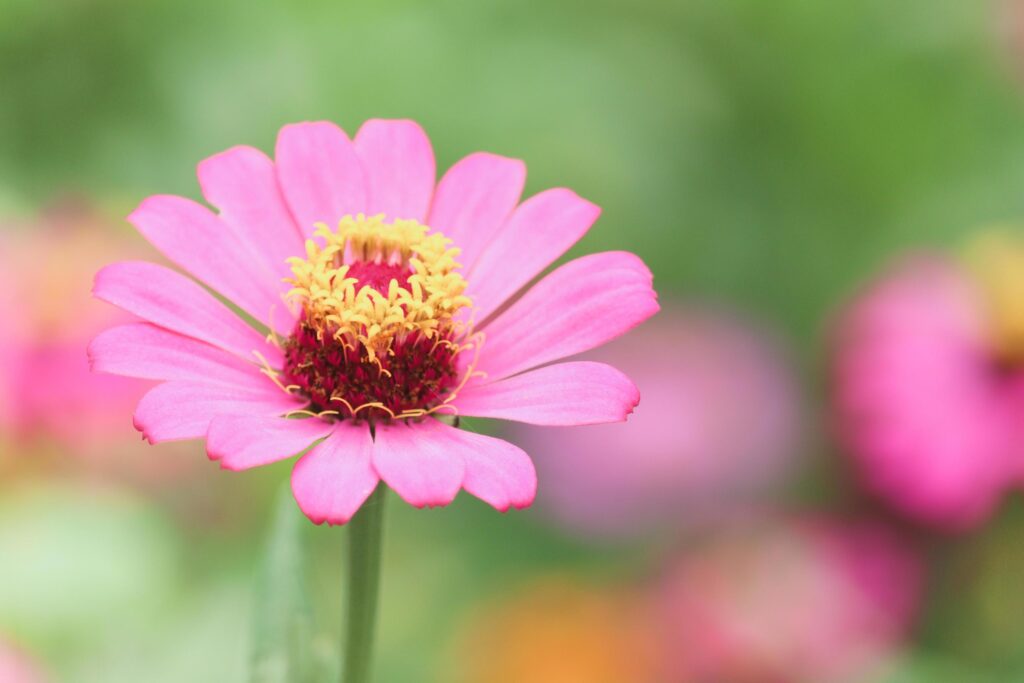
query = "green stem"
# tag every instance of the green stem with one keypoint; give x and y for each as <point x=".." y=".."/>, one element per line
<point x="364" y="551"/>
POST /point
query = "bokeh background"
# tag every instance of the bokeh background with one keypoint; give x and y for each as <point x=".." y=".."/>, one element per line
<point x="769" y="160"/>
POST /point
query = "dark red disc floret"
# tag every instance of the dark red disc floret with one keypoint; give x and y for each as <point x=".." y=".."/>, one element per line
<point x="416" y="373"/>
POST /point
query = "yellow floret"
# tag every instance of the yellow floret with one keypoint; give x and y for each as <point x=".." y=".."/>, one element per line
<point x="335" y="304"/>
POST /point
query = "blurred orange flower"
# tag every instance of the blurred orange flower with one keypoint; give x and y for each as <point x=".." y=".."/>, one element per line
<point x="556" y="630"/>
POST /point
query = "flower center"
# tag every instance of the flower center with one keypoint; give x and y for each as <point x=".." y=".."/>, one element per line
<point x="377" y="337"/>
<point x="996" y="260"/>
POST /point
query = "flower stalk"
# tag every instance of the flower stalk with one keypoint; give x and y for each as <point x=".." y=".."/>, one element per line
<point x="365" y="540"/>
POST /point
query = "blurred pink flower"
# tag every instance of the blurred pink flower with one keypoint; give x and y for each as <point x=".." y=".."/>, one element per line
<point x="384" y="291"/>
<point x="17" y="667"/>
<point x="718" y="427"/>
<point x="9" y="345"/>
<point x="787" y="602"/>
<point x="924" y="404"/>
<point x="46" y="388"/>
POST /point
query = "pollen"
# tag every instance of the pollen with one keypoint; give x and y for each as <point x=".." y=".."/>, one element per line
<point x="378" y="335"/>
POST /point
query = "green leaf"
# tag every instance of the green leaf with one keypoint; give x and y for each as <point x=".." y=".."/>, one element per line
<point x="923" y="667"/>
<point x="282" y="618"/>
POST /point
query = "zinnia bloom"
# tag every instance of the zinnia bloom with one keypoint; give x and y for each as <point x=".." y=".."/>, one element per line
<point x="719" y="426"/>
<point x="384" y="300"/>
<point x="46" y="388"/>
<point x="788" y="601"/>
<point x="929" y="385"/>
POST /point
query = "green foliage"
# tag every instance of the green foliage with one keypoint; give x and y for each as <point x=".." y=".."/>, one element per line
<point x="284" y="637"/>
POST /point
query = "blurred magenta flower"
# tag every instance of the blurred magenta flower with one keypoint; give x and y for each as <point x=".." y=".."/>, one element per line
<point x="928" y="388"/>
<point x="556" y="630"/>
<point x="376" y="321"/>
<point x="46" y="389"/>
<point x="9" y="344"/>
<point x="17" y="667"/>
<point x="718" y="427"/>
<point x="787" y="602"/>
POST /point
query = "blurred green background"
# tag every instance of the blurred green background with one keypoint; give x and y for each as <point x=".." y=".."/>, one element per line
<point x="763" y="155"/>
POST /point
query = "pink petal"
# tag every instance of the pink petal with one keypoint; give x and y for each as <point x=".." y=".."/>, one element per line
<point x="171" y="300"/>
<point x="497" y="472"/>
<point x="244" y="441"/>
<point x="473" y="200"/>
<point x="416" y="464"/>
<point x="399" y="165"/>
<point x="540" y="230"/>
<point x="567" y="394"/>
<point x="334" y="479"/>
<point x="319" y="173"/>
<point x="150" y="352"/>
<point x="242" y="183"/>
<point x="577" y="307"/>
<point x="194" y="238"/>
<point x="174" y="411"/>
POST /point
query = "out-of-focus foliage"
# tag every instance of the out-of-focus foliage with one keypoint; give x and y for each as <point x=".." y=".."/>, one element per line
<point x="282" y="618"/>
<point x="768" y="152"/>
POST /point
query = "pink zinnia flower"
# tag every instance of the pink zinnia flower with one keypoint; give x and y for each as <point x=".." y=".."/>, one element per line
<point x="929" y="389"/>
<point x="718" y="428"/>
<point x="46" y="388"/>
<point x="807" y="602"/>
<point x="385" y="300"/>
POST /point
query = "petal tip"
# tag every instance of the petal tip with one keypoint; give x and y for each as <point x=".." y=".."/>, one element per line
<point x="149" y="205"/>
<point x="214" y="455"/>
<point x="99" y="281"/>
<point x="316" y="519"/>
<point x="91" y="355"/>
<point x="320" y="519"/>
<point x="311" y="126"/>
<point x="591" y="210"/>
<point x="518" y="166"/>
<point x="404" y="122"/>
<point x="634" y="400"/>
<point x="523" y="505"/>
<point x="142" y="429"/>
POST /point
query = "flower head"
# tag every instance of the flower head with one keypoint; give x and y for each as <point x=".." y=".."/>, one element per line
<point x="801" y="601"/>
<point x="46" y="388"/>
<point x="718" y="428"/>
<point x="377" y="334"/>
<point x="929" y="382"/>
<point x="555" y="630"/>
<point x="379" y="303"/>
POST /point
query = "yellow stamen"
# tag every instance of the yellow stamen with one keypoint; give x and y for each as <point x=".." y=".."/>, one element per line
<point x="335" y="303"/>
<point x="274" y="375"/>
